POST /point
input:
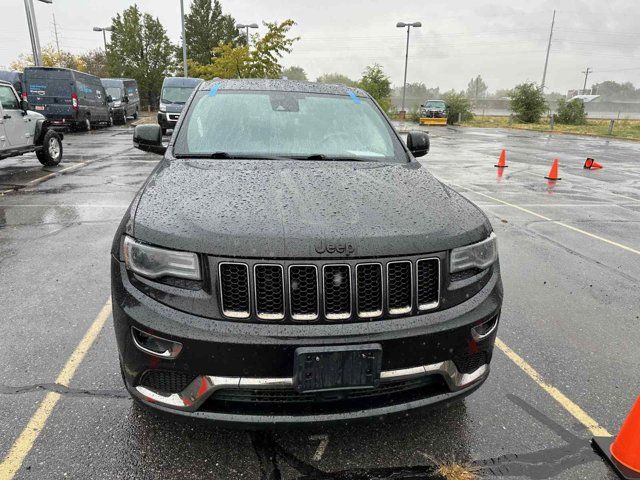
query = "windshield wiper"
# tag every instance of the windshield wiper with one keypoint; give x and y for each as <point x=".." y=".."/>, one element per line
<point x="227" y="156"/>
<point x="322" y="156"/>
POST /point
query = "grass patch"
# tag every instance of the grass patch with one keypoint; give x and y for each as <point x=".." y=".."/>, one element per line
<point x="628" y="129"/>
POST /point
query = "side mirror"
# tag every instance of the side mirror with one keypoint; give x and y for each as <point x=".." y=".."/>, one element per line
<point x="125" y="99"/>
<point x="418" y="143"/>
<point x="109" y="99"/>
<point x="149" y="139"/>
<point x="24" y="105"/>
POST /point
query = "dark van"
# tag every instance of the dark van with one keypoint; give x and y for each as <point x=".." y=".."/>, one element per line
<point x="68" y="98"/>
<point x="125" y="98"/>
<point x="175" y="93"/>
<point x="14" y="78"/>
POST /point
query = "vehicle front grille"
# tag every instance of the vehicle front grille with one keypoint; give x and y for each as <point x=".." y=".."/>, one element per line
<point x="329" y="292"/>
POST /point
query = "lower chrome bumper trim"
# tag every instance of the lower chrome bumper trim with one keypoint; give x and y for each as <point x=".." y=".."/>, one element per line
<point x="198" y="391"/>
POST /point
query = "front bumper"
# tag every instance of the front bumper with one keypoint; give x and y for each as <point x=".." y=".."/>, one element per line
<point x="168" y="120"/>
<point x="226" y="361"/>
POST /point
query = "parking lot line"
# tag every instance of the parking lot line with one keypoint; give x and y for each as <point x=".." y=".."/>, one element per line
<point x="571" y="407"/>
<point x="557" y="222"/>
<point x="25" y="441"/>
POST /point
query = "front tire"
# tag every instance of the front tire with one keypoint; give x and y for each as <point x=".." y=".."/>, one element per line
<point x="50" y="154"/>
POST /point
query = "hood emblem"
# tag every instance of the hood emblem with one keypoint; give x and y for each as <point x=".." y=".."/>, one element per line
<point x="346" y="248"/>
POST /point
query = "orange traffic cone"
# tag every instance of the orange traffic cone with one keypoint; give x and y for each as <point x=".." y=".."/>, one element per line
<point x="553" y="173"/>
<point x="591" y="164"/>
<point x="502" y="162"/>
<point x="623" y="453"/>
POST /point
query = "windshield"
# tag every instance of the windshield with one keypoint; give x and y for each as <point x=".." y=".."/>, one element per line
<point x="176" y="94"/>
<point x="287" y="124"/>
<point x="437" y="104"/>
<point x="115" y="92"/>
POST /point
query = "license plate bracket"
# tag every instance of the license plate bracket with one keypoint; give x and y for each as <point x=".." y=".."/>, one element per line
<point x="317" y="369"/>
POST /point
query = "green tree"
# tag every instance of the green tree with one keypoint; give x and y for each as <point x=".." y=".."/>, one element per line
<point x="571" y="113"/>
<point x="336" y="78"/>
<point x="262" y="61"/>
<point x="458" y="106"/>
<point x="207" y="28"/>
<point x="140" y="49"/>
<point x="476" y="88"/>
<point x="614" y="91"/>
<point x="377" y="84"/>
<point x="528" y="102"/>
<point x="295" y="73"/>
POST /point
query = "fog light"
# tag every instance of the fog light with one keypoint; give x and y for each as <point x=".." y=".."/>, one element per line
<point x="154" y="345"/>
<point x="482" y="331"/>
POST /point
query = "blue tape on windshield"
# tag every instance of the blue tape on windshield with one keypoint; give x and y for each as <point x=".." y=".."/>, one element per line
<point x="214" y="89"/>
<point x="354" y="97"/>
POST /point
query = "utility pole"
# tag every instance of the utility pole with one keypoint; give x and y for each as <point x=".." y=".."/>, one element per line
<point x="586" y="76"/>
<point x="546" y="60"/>
<point x="184" y="41"/>
<point x="55" y="29"/>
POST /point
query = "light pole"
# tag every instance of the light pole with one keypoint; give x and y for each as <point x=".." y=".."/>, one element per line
<point x="406" y="61"/>
<point x="104" y="31"/>
<point x="586" y="76"/>
<point x="184" y="41"/>
<point x="240" y="26"/>
<point x="33" y="30"/>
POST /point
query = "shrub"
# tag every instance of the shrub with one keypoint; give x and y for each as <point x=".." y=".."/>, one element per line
<point x="528" y="103"/>
<point x="571" y="113"/>
<point x="457" y="105"/>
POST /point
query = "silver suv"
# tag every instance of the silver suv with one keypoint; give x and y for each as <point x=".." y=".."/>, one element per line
<point x="23" y="131"/>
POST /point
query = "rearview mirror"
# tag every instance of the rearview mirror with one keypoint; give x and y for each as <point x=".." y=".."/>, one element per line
<point x="149" y="139"/>
<point x="418" y="143"/>
<point x="24" y="105"/>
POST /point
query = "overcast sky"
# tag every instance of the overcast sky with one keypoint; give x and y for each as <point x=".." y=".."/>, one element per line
<point x="505" y="42"/>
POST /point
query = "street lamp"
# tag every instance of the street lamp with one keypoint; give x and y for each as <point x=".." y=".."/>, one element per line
<point x="240" y="26"/>
<point x="33" y="30"/>
<point x="406" y="60"/>
<point x="184" y="41"/>
<point x="104" y="31"/>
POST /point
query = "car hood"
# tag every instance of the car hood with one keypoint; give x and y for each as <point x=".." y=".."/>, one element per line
<point x="286" y="209"/>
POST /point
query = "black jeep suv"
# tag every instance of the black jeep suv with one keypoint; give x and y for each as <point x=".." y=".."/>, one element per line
<point x="289" y="262"/>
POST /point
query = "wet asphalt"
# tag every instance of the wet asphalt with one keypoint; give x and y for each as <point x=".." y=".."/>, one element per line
<point x="572" y="307"/>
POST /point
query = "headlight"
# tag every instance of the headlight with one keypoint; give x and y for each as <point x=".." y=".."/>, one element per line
<point x="163" y="108"/>
<point x="154" y="262"/>
<point x="479" y="255"/>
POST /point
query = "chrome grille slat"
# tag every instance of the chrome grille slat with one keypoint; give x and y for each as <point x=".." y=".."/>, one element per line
<point x="369" y="290"/>
<point x="304" y="299"/>
<point x="268" y="286"/>
<point x="428" y="283"/>
<point x="336" y="281"/>
<point x="234" y="289"/>
<point x="399" y="287"/>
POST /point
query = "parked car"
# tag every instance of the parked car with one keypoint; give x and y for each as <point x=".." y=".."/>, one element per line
<point x="433" y="112"/>
<point x="68" y="98"/>
<point x="125" y="98"/>
<point x="175" y="93"/>
<point x="14" y="78"/>
<point x="23" y="131"/>
<point x="290" y="262"/>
